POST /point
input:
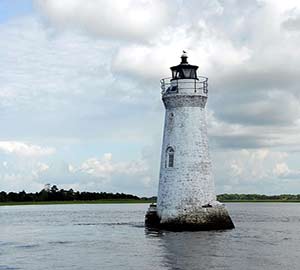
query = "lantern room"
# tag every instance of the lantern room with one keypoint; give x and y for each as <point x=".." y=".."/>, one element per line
<point x="184" y="70"/>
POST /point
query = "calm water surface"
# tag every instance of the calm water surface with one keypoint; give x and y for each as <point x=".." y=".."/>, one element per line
<point x="267" y="236"/>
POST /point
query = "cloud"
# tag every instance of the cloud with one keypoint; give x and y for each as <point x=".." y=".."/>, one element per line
<point x="105" y="167"/>
<point x="283" y="171"/>
<point x="100" y="174"/>
<point x="93" y="174"/>
<point x="250" y="171"/>
<point x="92" y="91"/>
<point x="24" y="174"/>
<point x="114" y="174"/>
<point x="128" y="19"/>
<point x="25" y="150"/>
<point x="224" y="135"/>
<point x="292" y="24"/>
<point x="253" y="89"/>
<point x="265" y="110"/>
<point x="152" y="61"/>
<point x="65" y="80"/>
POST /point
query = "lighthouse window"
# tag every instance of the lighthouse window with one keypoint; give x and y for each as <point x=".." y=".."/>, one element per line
<point x="170" y="157"/>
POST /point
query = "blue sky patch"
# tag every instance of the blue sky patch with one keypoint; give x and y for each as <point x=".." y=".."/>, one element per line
<point x="14" y="8"/>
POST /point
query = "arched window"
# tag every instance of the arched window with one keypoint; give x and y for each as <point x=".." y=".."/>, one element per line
<point x="170" y="157"/>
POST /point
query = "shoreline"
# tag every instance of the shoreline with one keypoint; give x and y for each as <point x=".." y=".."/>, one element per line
<point x="261" y="201"/>
<point x="126" y="201"/>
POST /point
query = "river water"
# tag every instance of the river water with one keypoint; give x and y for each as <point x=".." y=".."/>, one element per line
<point x="103" y="236"/>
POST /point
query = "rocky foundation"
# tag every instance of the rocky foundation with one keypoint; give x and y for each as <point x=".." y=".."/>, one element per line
<point x="204" y="219"/>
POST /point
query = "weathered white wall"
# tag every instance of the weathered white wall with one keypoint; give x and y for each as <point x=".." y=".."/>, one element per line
<point x="189" y="184"/>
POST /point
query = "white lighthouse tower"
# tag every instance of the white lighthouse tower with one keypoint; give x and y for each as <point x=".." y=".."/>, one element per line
<point x="186" y="194"/>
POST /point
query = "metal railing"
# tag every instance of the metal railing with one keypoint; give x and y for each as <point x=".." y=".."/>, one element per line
<point x="198" y="86"/>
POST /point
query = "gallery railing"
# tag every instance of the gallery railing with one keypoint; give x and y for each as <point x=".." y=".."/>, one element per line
<point x="197" y="86"/>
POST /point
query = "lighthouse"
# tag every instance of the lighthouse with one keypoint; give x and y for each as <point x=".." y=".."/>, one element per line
<point x="186" y="194"/>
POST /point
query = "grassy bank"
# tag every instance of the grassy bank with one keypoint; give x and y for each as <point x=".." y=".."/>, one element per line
<point x="260" y="201"/>
<point x="121" y="201"/>
<point x="54" y="195"/>
<point x="112" y="201"/>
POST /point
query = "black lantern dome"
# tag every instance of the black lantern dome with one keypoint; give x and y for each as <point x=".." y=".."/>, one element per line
<point x="184" y="70"/>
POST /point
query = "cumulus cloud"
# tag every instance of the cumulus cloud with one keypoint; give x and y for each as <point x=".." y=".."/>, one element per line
<point x="253" y="164"/>
<point x="93" y="174"/>
<point x="116" y="174"/>
<point x="282" y="170"/>
<point x="105" y="167"/>
<point x="63" y="80"/>
<point x="251" y="171"/>
<point x="24" y="149"/>
<point x="204" y="46"/>
<point x="100" y="174"/>
<point x="292" y="24"/>
<point x="127" y="19"/>
<point x="19" y="175"/>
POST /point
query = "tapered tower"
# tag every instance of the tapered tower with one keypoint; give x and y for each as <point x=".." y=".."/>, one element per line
<point x="186" y="193"/>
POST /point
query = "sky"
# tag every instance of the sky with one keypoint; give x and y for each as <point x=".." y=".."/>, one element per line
<point x="80" y="103"/>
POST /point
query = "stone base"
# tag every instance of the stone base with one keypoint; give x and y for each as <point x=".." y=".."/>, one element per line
<point x="203" y="219"/>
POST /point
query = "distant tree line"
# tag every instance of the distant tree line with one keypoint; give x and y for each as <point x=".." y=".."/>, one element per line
<point x="257" y="197"/>
<point x="55" y="194"/>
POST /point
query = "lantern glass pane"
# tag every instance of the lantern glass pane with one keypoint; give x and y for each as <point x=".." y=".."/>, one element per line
<point x="174" y="74"/>
<point x="187" y="72"/>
